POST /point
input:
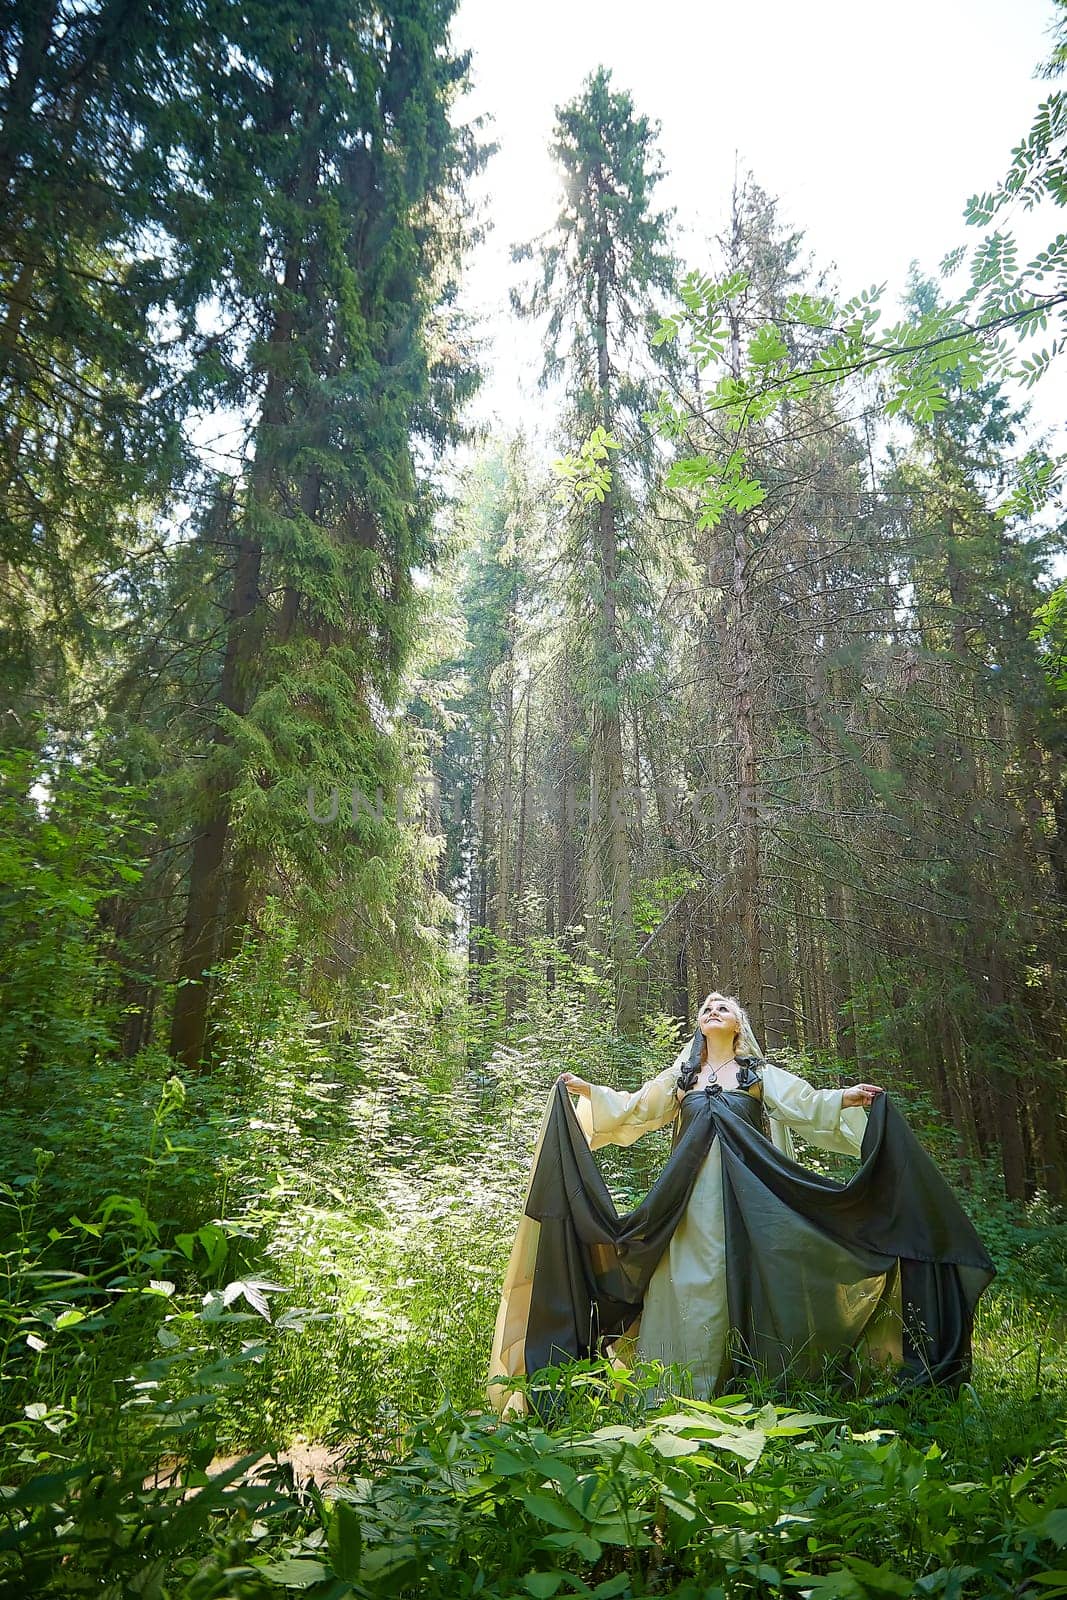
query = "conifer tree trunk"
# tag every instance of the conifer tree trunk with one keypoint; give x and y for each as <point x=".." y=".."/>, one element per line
<point x="608" y="720"/>
<point x="1006" y="1093"/>
<point x="517" y="927"/>
<point x="567" y="882"/>
<point x="591" y="882"/>
<point x="639" y="796"/>
<point x="506" y="821"/>
<point x="748" y="876"/>
<point x="747" y="879"/>
<point x="206" y="896"/>
<point x="675" y="941"/>
<point x="480" y="860"/>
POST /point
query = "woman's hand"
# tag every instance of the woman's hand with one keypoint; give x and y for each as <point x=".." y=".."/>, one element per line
<point x="575" y="1085"/>
<point x="861" y="1094"/>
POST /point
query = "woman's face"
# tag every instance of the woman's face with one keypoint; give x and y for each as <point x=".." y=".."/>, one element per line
<point x="718" y="1017"/>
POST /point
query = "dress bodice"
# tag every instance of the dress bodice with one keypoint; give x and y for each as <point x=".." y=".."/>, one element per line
<point x="746" y="1100"/>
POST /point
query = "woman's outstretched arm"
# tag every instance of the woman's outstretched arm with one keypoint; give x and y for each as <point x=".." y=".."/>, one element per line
<point x="611" y="1116"/>
<point x="830" y="1119"/>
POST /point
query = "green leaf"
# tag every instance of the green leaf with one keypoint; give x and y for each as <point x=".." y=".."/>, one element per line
<point x="837" y="1585"/>
<point x="215" y="1244"/>
<point x="294" y="1574"/>
<point x="589" y="1549"/>
<point x="614" y="1530"/>
<point x="542" y="1584"/>
<point x="681" y="1508"/>
<point x="554" y="1512"/>
<point x="382" y="1560"/>
<point x="746" y="1442"/>
<point x="880" y="1581"/>
<point x="766" y="346"/>
<point x="1053" y="1526"/>
<point x="979" y="209"/>
<point x="672" y="1444"/>
<point x="799" y="1421"/>
<point x="345" y="1540"/>
<point x="619" y="1585"/>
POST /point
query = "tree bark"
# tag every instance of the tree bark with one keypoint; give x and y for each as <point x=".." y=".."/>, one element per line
<point x="567" y="880"/>
<point x="607" y="718"/>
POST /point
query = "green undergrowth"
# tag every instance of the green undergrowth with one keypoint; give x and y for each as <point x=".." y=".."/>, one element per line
<point x="308" y="1243"/>
<point x="954" y="1497"/>
<point x="703" y="1499"/>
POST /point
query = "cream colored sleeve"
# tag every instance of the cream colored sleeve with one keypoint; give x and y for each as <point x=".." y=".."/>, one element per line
<point x="610" y="1116"/>
<point x="817" y="1114"/>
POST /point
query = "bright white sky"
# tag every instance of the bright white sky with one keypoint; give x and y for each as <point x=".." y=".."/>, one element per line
<point x="872" y="125"/>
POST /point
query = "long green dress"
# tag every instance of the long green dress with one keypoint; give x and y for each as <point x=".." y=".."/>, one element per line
<point x="739" y="1258"/>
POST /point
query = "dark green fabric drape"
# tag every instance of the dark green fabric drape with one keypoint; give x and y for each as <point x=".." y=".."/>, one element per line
<point x="809" y="1259"/>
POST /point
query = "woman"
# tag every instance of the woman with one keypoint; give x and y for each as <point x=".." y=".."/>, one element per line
<point x="738" y="1259"/>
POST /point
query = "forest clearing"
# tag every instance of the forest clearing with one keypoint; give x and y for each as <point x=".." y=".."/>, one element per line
<point x="473" y="730"/>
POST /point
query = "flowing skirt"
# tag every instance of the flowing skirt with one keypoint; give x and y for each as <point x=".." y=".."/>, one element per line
<point x="685" y="1319"/>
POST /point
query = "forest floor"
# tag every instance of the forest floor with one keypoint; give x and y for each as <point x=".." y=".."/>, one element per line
<point x="318" y="1463"/>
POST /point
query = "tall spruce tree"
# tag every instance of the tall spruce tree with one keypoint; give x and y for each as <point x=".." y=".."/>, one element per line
<point x="600" y="268"/>
<point x="335" y="198"/>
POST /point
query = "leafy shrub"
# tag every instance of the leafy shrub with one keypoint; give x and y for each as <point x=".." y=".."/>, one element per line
<point x="64" y="848"/>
